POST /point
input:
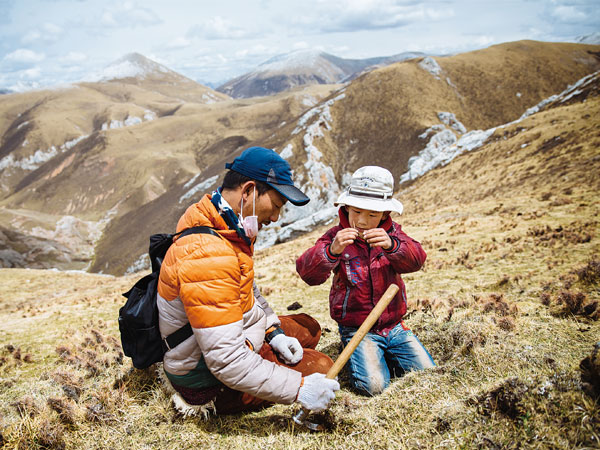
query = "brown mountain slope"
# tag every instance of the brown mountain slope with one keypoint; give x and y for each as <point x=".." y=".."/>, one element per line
<point x="130" y="171"/>
<point x="120" y="166"/>
<point x="551" y="156"/>
<point x="377" y="119"/>
<point x="381" y="114"/>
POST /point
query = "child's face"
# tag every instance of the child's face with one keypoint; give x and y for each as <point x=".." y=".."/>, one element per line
<point x="363" y="219"/>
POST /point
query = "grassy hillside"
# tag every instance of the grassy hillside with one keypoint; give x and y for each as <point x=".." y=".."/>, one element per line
<point x="507" y="304"/>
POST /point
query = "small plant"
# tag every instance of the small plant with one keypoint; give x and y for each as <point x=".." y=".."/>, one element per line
<point x="590" y="273"/>
<point x="506" y="399"/>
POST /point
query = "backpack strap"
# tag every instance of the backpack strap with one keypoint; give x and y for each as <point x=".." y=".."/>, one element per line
<point x="177" y="337"/>
<point x="199" y="229"/>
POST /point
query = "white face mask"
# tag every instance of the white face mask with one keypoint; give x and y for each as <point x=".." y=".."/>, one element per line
<point x="250" y="223"/>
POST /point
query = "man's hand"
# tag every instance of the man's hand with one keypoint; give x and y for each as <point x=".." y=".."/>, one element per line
<point x="288" y="348"/>
<point x="317" y="391"/>
<point x="342" y="239"/>
<point x="378" y="237"/>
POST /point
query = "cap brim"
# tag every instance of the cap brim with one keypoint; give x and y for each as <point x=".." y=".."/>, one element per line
<point x="292" y="193"/>
<point x="372" y="204"/>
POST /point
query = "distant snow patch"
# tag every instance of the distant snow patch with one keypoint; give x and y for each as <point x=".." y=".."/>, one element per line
<point x="565" y="95"/>
<point x="430" y="65"/>
<point x="449" y="119"/>
<point x="593" y="38"/>
<point x="199" y="187"/>
<point x="443" y="146"/>
<point x="309" y="100"/>
<point x="149" y="115"/>
<point x="129" y="121"/>
<point x="321" y="110"/>
<point x="287" y="152"/>
<point x="76" y="234"/>
<point x="40" y="156"/>
<point x="142" y="263"/>
<point x="209" y="98"/>
<point x="191" y="181"/>
<point x="124" y="69"/>
<point x="320" y="185"/>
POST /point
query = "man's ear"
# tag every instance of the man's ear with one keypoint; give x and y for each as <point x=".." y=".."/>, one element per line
<point x="247" y="188"/>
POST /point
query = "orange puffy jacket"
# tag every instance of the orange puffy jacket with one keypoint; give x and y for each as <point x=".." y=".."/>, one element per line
<point x="209" y="281"/>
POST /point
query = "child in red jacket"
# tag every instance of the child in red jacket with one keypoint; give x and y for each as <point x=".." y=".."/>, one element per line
<point x="366" y="252"/>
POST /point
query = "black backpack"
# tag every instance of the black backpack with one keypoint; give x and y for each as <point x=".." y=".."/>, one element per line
<point x="138" y="318"/>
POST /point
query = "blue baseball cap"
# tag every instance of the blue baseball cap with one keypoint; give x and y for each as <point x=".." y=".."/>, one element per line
<point x="263" y="164"/>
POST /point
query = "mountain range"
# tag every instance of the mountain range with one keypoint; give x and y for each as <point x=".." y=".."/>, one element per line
<point x="303" y="67"/>
<point x="89" y="171"/>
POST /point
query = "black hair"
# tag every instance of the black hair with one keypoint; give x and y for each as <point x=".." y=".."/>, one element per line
<point x="234" y="179"/>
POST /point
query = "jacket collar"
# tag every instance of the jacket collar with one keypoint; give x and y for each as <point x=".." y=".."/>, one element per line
<point x="204" y="213"/>
<point x="386" y="224"/>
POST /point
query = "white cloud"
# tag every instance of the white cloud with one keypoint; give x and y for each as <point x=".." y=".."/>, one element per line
<point x="568" y="14"/>
<point x="256" y="50"/>
<point x="219" y="28"/>
<point x="484" y="41"/>
<point x="74" y="57"/>
<point x="355" y="15"/>
<point x="33" y="73"/>
<point x="24" y="55"/>
<point x="178" y="43"/>
<point x="48" y="32"/>
<point x="128" y="14"/>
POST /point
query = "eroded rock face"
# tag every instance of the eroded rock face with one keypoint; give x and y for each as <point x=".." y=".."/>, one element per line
<point x="590" y="373"/>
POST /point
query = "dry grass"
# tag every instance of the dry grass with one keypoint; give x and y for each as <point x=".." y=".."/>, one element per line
<point x="508" y="366"/>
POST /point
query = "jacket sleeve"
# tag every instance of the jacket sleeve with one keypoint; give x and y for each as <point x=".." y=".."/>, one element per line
<point x="272" y="319"/>
<point x="406" y="254"/>
<point x="316" y="263"/>
<point x="235" y="365"/>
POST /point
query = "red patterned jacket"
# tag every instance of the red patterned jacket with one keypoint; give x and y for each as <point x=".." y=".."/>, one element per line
<point x="362" y="274"/>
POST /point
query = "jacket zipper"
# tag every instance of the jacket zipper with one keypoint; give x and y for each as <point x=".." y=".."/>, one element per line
<point x="345" y="304"/>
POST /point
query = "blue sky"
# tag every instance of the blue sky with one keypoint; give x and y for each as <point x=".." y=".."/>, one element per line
<point x="52" y="42"/>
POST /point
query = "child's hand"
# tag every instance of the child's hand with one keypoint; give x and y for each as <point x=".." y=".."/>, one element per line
<point x="378" y="237"/>
<point x="343" y="238"/>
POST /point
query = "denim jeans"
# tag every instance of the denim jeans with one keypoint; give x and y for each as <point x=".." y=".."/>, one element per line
<point x="379" y="358"/>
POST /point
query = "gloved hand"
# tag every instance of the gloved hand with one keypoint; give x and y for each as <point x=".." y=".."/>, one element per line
<point x="317" y="391"/>
<point x="288" y="348"/>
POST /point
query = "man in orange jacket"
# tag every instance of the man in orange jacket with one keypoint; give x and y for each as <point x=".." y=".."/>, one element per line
<point x="241" y="356"/>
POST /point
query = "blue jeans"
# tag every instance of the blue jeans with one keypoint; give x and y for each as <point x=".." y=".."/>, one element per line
<point x="378" y="358"/>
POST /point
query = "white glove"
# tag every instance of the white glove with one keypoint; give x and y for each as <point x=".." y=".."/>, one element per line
<point x="317" y="391"/>
<point x="288" y="348"/>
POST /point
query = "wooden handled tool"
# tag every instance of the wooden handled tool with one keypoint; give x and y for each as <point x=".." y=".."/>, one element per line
<point x="382" y="304"/>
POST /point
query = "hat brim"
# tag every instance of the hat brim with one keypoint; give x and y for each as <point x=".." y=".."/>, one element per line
<point x="373" y="204"/>
<point x="291" y="192"/>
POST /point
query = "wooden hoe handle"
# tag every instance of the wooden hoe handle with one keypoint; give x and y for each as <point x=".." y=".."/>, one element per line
<point x="301" y="417"/>
<point x="383" y="303"/>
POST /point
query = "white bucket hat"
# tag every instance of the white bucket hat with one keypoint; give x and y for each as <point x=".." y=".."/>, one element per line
<point x="372" y="188"/>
